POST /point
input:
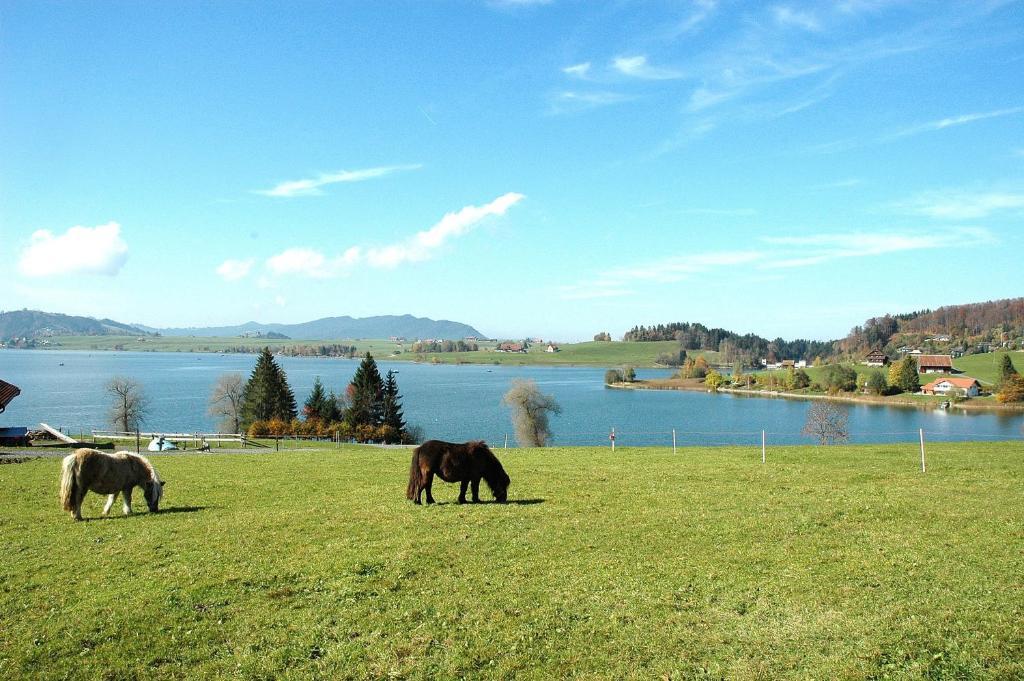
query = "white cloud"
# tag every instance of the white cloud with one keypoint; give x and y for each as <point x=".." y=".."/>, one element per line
<point x="308" y="262"/>
<point x="311" y="187"/>
<point x="637" y="67"/>
<point x="421" y="246"/>
<point x="818" y="248"/>
<point x="787" y="16"/>
<point x="954" y="121"/>
<point x="233" y="270"/>
<point x="962" y="205"/>
<point x="568" y="101"/>
<point x="80" y="250"/>
<point x="578" y="70"/>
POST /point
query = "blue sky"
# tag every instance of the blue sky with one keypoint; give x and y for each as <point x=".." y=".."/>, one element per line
<point x="531" y="168"/>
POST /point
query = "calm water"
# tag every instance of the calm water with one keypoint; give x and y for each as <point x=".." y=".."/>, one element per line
<point x="65" y="389"/>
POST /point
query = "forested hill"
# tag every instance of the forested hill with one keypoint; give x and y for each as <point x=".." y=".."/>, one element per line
<point x="405" y="326"/>
<point x="746" y="347"/>
<point x="994" y="321"/>
<point x="36" y="324"/>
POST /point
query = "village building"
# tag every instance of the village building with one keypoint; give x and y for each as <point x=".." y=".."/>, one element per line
<point x="876" y="358"/>
<point x="511" y="347"/>
<point x="552" y="348"/>
<point x="943" y="386"/>
<point x="935" y="364"/>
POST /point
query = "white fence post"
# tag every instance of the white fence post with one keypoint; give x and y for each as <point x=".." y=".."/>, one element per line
<point x="673" y="440"/>
<point x="612" y="438"/>
<point x="506" y="440"/>
<point x="762" y="446"/>
<point x="921" y="433"/>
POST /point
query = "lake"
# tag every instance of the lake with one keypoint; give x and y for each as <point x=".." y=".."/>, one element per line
<point x="66" y="390"/>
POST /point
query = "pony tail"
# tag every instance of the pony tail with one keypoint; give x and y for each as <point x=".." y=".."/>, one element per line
<point x="68" y="482"/>
<point x="414" y="476"/>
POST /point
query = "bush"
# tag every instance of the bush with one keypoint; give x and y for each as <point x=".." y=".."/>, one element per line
<point x="613" y="376"/>
<point x="1012" y="390"/>
<point x="839" y="378"/>
<point x="876" y="383"/>
<point x="799" y="379"/>
<point x="713" y="380"/>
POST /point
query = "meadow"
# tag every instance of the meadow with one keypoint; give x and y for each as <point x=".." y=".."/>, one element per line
<point x="828" y="562"/>
<point x="588" y="353"/>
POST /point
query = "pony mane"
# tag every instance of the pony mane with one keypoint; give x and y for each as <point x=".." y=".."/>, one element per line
<point x="154" y="476"/>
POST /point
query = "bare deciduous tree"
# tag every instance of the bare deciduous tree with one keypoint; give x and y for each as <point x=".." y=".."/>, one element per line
<point x="226" y="402"/>
<point x="530" y="409"/>
<point x="130" y="405"/>
<point x="826" y="422"/>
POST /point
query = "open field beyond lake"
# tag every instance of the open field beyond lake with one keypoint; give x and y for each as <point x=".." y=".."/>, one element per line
<point x="837" y="562"/>
<point x="590" y="353"/>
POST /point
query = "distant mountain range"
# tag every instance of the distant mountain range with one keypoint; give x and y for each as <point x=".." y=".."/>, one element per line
<point x="329" y="328"/>
<point x="35" y="324"/>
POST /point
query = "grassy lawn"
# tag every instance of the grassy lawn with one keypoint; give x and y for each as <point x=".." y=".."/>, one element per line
<point x="842" y="562"/>
<point x="587" y="354"/>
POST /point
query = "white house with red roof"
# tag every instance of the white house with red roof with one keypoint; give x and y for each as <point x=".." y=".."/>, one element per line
<point x="943" y="386"/>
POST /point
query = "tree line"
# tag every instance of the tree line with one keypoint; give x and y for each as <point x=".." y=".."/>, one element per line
<point x="746" y="347"/>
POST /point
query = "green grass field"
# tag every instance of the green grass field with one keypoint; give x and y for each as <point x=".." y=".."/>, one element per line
<point x="583" y="354"/>
<point x="839" y="562"/>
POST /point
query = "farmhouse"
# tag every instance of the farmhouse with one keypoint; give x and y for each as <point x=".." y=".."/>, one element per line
<point x="552" y="348"/>
<point x="876" y="358"/>
<point x="511" y="347"/>
<point x="943" y="386"/>
<point x="935" y="364"/>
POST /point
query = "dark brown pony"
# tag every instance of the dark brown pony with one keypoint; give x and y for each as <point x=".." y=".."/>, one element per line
<point x="466" y="463"/>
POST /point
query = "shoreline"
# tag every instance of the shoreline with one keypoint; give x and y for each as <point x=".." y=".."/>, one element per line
<point x="694" y="385"/>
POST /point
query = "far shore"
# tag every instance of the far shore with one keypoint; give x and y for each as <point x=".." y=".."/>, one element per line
<point x="697" y="385"/>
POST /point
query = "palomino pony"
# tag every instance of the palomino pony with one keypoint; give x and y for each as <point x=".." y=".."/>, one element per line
<point x="113" y="474"/>
<point x="466" y="463"/>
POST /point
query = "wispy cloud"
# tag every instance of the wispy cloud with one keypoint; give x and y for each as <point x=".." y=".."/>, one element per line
<point x="702" y="10"/>
<point x="570" y="101"/>
<point x="578" y="70"/>
<point x="789" y="17"/>
<point x="954" y="121"/>
<point x="637" y="67"/>
<point x="620" y="280"/>
<point x="80" y="250"/>
<point x="816" y="249"/>
<point x="424" y="245"/>
<point x="311" y="186"/>
<point x="961" y="205"/>
<point x="781" y="252"/>
<point x="233" y="270"/>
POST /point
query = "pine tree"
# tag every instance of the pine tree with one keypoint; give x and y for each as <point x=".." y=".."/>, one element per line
<point x="317" y="405"/>
<point x="267" y="394"/>
<point x="392" y="407"/>
<point x="1006" y="369"/>
<point x="366" y="392"/>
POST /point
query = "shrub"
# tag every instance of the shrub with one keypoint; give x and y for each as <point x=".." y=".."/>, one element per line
<point x="613" y="376"/>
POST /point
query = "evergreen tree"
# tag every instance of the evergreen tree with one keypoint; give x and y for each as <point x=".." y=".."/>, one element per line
<point x="1006" y="369"/>
<point x="317" y="405"/>
<point x="392" y="407"/>
<point x="903" y="375"/>
<point x="267" y="394"/>
<point x="366" y="392"/>
<point x="335" y="408"/>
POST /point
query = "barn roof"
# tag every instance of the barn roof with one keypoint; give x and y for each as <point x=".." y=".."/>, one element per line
<point x="935" y="361"/>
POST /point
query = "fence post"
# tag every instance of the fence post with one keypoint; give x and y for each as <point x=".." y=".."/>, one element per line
<point x="921" y="433"/>
<point x="137" y="443"/>
<point x="506" y="440"/>
<point x="673" y="441"/>
<point x="612" y="438"/>
<point x="763" y="438"/>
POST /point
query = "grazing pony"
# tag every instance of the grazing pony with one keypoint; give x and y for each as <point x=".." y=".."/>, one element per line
<point x="89" y="469"/>
<point x="465" y="463"/>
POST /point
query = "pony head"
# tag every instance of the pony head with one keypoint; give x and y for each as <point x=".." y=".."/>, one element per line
<point x="494" y="475"/>
<point x="153" y="490"/>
